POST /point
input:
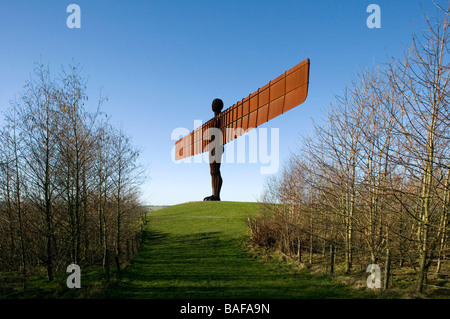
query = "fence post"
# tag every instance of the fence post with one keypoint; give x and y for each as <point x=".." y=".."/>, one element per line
<point x="332" y="251"/>
<point x="387" y="269"/>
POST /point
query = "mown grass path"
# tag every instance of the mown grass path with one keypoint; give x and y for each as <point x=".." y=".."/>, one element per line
<point x="196" y="250"/>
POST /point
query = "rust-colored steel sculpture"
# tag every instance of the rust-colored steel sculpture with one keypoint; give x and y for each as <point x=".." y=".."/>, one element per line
<point x="278" y="96"/>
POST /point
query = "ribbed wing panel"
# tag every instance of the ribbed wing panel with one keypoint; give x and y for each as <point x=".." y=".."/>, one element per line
<point x="278" y="96"/>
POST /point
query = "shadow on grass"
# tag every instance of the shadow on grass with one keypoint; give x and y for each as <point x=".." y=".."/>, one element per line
<point x="214" y="265"/>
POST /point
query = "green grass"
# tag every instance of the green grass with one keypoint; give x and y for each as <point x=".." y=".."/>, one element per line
<point x="196" y="250"/>
<point x="193" y="251"/>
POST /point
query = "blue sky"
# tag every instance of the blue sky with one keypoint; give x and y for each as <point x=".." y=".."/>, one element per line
<point x="161" y="63"/>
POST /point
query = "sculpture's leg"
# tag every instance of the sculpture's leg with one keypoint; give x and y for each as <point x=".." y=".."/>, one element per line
<point x="216" y="181"/>
<point x="216" y="178"/>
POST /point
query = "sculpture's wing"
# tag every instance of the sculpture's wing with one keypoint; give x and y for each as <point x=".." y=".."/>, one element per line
<point x="278" y="96"/>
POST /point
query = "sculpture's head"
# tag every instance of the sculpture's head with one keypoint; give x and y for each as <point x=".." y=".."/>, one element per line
<point x="217" y="106"/>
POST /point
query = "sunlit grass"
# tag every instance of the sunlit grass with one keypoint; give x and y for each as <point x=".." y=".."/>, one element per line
<point x="196" y="250"/>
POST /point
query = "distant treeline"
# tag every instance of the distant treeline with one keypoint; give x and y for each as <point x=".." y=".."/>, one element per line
<point x="376" y="175"/>
<point x="69" y="181"/>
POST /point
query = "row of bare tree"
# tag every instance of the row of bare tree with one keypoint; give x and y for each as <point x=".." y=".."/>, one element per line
<point x="376" y="174"/>
<point x="69" y="181"/>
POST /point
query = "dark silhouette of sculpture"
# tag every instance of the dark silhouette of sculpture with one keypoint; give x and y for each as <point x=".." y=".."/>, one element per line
<point x="215" y="153"/>
<point x="276" y="97"/>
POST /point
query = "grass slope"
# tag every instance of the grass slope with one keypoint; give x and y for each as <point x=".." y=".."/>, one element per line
<point x="196" y="250"/>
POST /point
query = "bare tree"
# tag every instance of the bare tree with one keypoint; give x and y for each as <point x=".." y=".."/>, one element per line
<point x="420" y="111"/>
<point x="69" y="182"/>
<point x="377" y="171"/>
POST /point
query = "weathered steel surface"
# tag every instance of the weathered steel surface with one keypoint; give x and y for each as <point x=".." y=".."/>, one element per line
<point x="283" y="93"/>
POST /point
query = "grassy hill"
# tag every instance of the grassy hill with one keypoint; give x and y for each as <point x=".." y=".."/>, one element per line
<point x="193" y="251"/>
<point x="197" y="250"/>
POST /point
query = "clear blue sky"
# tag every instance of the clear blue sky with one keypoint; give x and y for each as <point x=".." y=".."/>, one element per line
<point x="162" y="63"/>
